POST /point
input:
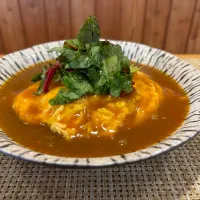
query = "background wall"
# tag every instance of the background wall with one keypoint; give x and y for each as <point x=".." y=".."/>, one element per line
<point x="173" y="25"/>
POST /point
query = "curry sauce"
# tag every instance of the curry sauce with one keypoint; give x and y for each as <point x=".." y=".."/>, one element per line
<point x="166" y="118"/>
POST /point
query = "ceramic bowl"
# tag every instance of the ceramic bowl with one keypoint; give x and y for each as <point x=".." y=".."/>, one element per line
<point x="184" y="73"/>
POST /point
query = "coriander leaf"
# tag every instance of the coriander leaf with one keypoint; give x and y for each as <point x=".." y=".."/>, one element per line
<point x="76" y="86"/>
<point x="116" y="85"/>
<point x="43" y="76"/>
<point x="36" y="77"/>
<point x="120" y="83"/>
<point x="94" y="50"/>
<point x="127" y="83"/>
<point x="102" y="85"/>
<point x="76" y="81"/>
<point x="67" y="55"/>
<point x="80" y="62"/>
<point x="90" y="31"/>
<point x="125" y="63"/>
<point x="93" y="75"/>
<point x="115" y="88"/>
<point x="58" y="76"/>
<point x="95" y="54"/>
<point x="64" y="96"/>
<point x="111" y="66"/>
<point x="111" y="49"/>
<point x="134" y="68"/>
<point x="57" y="49"/>
<point x="71" y="44"/>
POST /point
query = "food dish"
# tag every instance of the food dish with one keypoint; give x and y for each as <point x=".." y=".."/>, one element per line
<point x="145" y="55"/>
<point x="107" y="124"/>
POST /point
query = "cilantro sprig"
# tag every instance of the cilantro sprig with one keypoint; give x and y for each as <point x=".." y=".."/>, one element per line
<point x="88" y="66"/>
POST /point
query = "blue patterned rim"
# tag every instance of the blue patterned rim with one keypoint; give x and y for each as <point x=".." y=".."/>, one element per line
<point x="184" y="73"/>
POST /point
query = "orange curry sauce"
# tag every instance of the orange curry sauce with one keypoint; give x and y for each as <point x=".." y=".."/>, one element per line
<point x="171" y="114"/>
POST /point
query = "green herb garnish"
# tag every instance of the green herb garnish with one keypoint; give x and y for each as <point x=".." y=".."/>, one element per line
<point x="40" y="77"/>
<point x="88" y="66"/>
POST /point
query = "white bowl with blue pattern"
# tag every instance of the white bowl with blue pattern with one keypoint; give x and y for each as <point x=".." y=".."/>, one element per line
<point x="184" y="73"/>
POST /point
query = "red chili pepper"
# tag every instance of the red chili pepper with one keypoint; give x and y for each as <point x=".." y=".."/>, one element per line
<point x="71" y="46"/>
<point x="57" y="65"/>
<point x="70" y="70"/>
<point x="49" y="76"/>
<point x="125" y="70"/>
<point x="123" y="94"/>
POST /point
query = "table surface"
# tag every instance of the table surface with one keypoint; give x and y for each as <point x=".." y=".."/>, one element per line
<point x="174" y="175"/>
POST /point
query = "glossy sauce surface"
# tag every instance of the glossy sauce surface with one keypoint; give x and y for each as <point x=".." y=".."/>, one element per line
<point x="169" y="117"/>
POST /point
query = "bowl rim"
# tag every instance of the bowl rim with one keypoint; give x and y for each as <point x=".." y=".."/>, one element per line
<point x="16" y="150"/>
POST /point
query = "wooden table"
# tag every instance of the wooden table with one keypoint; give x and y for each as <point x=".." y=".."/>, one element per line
<point x="193" y="59"/>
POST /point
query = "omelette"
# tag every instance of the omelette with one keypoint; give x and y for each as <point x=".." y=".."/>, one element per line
<point x="100" y="115"/>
